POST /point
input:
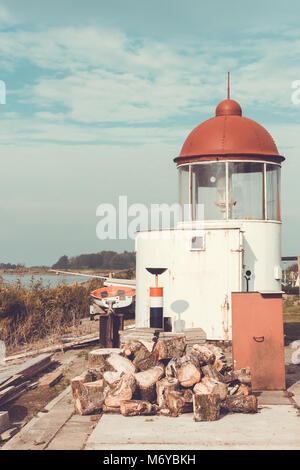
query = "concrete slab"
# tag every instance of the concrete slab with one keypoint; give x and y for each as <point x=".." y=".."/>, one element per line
<point x="37" y="434"/>
<point x="273" y="397"/>
<point x="73" y="435"/>
<point x="274" y="427"/>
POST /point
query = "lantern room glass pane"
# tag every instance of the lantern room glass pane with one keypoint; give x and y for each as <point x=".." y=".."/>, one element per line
<point x="273" y="191"/>
<point x="184" y="191"/>
<point x="209" y="191"/>
<point x="245" y="190"/>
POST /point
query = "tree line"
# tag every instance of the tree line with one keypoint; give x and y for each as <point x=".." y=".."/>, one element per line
<point x="101" y="260"/>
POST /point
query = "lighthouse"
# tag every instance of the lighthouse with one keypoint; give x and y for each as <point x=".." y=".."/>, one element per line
<point x="229" y="241"/>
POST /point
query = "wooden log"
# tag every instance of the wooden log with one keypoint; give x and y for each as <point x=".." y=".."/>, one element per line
<point x="149" y="377"/>
<point x="121" y="390"/>
<point x="210" y="371"/>
<point x="91" y="397"/>
<point x="121" y="364"/>
<point x="111" y="409"/>
<point x="111" y="377"/>
<point x="186" y="369"/>
<point x="209" y="386"/>
<point x="188" y="395"/>
<point x="138" y="408"/>
<point x="77" y="381"/>
<point x="244" y="389"/>
<point x="204" y="354"/>
<point x="240" y="403"/>
<point x="132" y="347"/>
<point x="243" y="375"/>
<point x="176" y="403"/>
<point x="96" y="373"/>
<point x="220" y="364"/>
<point x="97" y="357"/>
<point x="168" y="384"/>
<point x="147" y="394"/>
<point x="170" y="370"/>
<point x="169" y="347"/>
<point x="145" y="360"/>
<point x="188" y="374"/>
<point x="232" y="390"/>
<point x="206" y="407"/>
<point x="164" y="412"/>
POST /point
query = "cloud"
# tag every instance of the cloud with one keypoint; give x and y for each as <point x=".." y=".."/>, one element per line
<point x="104" y="76"/>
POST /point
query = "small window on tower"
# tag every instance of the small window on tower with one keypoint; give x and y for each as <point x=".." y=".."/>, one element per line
<point x="197" y="243"/>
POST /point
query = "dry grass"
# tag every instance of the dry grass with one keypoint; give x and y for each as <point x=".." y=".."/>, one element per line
<point x="28" y="315"/>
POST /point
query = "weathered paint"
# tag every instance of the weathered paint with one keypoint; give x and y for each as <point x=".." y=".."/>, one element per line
<point x="206" y="278"/>
<point x="257" y="334"/>
<point x="225" y="308"/>
<point x="192" y="276"/>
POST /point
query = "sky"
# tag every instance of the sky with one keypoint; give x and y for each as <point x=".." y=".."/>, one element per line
<point x="100" y="97"/>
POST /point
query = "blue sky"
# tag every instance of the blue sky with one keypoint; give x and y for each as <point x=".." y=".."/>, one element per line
<point x="101" y="96"/>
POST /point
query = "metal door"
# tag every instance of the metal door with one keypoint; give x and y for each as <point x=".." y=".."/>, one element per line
<point x="257" y="338"/>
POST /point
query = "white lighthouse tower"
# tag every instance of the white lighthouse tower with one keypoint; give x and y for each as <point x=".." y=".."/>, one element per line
<point x="229" y="174"/>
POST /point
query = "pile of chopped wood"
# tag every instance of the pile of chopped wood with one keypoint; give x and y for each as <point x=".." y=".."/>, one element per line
<point x="168" y="378"/>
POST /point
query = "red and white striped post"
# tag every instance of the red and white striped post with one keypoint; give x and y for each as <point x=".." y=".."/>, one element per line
<point x="156" y="300"/>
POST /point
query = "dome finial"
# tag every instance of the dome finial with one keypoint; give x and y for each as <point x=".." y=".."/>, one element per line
<point x="228" y="85"/>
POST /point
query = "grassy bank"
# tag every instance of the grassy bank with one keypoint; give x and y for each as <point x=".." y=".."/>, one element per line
<point x="30" y="314"/>
<point x="291" y="309"/>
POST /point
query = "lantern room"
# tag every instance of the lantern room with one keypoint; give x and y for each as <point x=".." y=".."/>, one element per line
<point x="230" y="165"/>
<point x="229" y="236"/>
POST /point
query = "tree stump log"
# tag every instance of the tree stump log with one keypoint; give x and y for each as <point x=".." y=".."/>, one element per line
<point x="132" y="347"/>
<point x="138" y="408"/>
<point x="209" y="386"/>
<point x="186" y="369"/>
<point x="243" y="375"/>
<point x="111" y="377"/>
<point x="163" y="386"/>
<point x="97" y="357"/>
<point x="204" y="354"/>
<point x="111" y="409"/>
<point x="168" y="348"/>
<point x="76" y="383"/>
<point x="176" y="403"/>
<point x="206" y="407"/>
<point x="91" y="397"/>
<point x="188" y="374"/>
<point x="244" y="389"/>
<point x="121" y="390"/>
<point x="240" y="403"/>
<point x="149" y="377"/>
<point x="210" y="371"/>
<point x="121" y="364"/>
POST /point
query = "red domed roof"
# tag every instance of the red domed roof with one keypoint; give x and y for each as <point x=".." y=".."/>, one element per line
<point x="229" y="134"/>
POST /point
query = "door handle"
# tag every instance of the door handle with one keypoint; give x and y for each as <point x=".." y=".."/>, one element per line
<point x="259" y="339"/>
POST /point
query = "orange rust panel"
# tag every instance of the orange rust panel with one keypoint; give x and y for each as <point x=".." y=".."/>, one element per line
<point x="257" y="338"/>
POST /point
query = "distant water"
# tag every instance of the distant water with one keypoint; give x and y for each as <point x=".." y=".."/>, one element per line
<point x="47" y="280"/>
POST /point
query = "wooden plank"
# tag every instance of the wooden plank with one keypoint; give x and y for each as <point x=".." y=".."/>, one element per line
<point x="56" y="347"/>
<point x="11" y="393"/>
<point x="50" y="380"/>
<point x="14" y="380"/>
